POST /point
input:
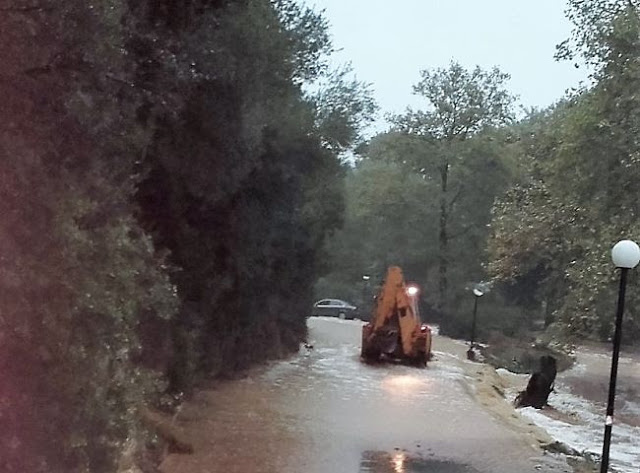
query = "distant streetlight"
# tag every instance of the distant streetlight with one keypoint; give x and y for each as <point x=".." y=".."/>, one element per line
<point x="478" y="291"/>
<point x="625" y="255"/>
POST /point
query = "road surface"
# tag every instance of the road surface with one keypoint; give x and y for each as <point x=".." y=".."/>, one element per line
<point x="324" y="411"/>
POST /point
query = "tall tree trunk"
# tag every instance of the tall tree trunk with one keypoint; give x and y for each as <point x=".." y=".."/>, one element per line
<point x="444" y="238"/>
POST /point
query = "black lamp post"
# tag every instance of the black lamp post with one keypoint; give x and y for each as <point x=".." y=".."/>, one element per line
<point x="478" y="292"/>
<point x="626" y="256"/>
<point x="364" y="310"/>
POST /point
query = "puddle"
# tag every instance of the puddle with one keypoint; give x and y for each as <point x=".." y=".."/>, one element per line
<point x="401" y="462"/>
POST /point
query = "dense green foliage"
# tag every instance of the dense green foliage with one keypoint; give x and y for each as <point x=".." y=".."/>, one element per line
<point x="420" y="196"/>
<point x="554" y="231"/>
<point x="166" y="186"/>
<point x="392" y="217"/>
<point x="533" y="206"/>
<point x="78" y="272"/>
<point x="386" y="221"/>
<point x="462" y="104"/>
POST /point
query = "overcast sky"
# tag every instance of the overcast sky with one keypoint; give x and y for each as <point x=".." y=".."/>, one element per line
<point x="389" y="42"/>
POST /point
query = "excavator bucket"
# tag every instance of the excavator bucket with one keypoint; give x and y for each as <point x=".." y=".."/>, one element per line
<point x="395" y="331"/>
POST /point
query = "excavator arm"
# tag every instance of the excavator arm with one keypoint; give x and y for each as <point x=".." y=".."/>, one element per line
<point x="396" y="330"/>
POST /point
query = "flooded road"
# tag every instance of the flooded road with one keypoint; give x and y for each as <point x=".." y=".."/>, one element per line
<point x="324" y="411"/>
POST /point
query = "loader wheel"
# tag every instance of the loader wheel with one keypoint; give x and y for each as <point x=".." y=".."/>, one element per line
<point x="369" y="353"/>
<point x="370" y="356"/>
<point x="421" y="360"/>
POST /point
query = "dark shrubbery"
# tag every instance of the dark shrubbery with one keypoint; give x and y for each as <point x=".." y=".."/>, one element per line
<point x="164" y="190"/>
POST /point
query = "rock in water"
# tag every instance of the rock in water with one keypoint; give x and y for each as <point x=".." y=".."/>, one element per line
<point x="540" y="385"/>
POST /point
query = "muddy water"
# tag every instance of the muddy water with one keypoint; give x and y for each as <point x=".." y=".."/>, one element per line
<point x="578" y="407"/>
<point x="325" y="412"/>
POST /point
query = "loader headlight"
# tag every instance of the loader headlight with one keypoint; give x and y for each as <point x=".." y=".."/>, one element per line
<point x="412" y="291"/>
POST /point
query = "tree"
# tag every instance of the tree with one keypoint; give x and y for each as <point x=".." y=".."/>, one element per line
<point x="241" y="178"/>
<point x="392" y="209"/>
<point x="164" y="193"/>
<point x="462" y="103"/>
<point x="78" y="271"/>
<point x="344" y="106"/>
<point x="386" y="222"/>
<point x="594" y="25"/>
<point x="591" y="138"/>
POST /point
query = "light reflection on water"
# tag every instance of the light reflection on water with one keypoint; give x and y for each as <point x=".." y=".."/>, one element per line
<point x="402" y="382"/>
<point x="405" y="385"/>
<point x="400" y="462"/>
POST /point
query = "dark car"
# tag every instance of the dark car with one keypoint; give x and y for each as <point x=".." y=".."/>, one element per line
<point x="334" y="308"/>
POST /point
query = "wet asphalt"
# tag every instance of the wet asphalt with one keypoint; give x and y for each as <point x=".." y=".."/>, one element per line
<point x="324" y="411"/>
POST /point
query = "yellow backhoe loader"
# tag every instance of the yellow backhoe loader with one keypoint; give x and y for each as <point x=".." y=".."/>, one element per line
<point x="395" y="331"/>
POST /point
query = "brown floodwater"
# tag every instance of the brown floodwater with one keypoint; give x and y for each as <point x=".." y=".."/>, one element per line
<point x="580" y="398"/>
<point x="589" y="379"/>
<point x="323" y="411"/>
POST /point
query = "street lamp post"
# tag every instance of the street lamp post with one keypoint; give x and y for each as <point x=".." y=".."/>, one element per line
<point x="478" y="292"/>
<point x="365" y="292"/>
<point x="625" y="255"/>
